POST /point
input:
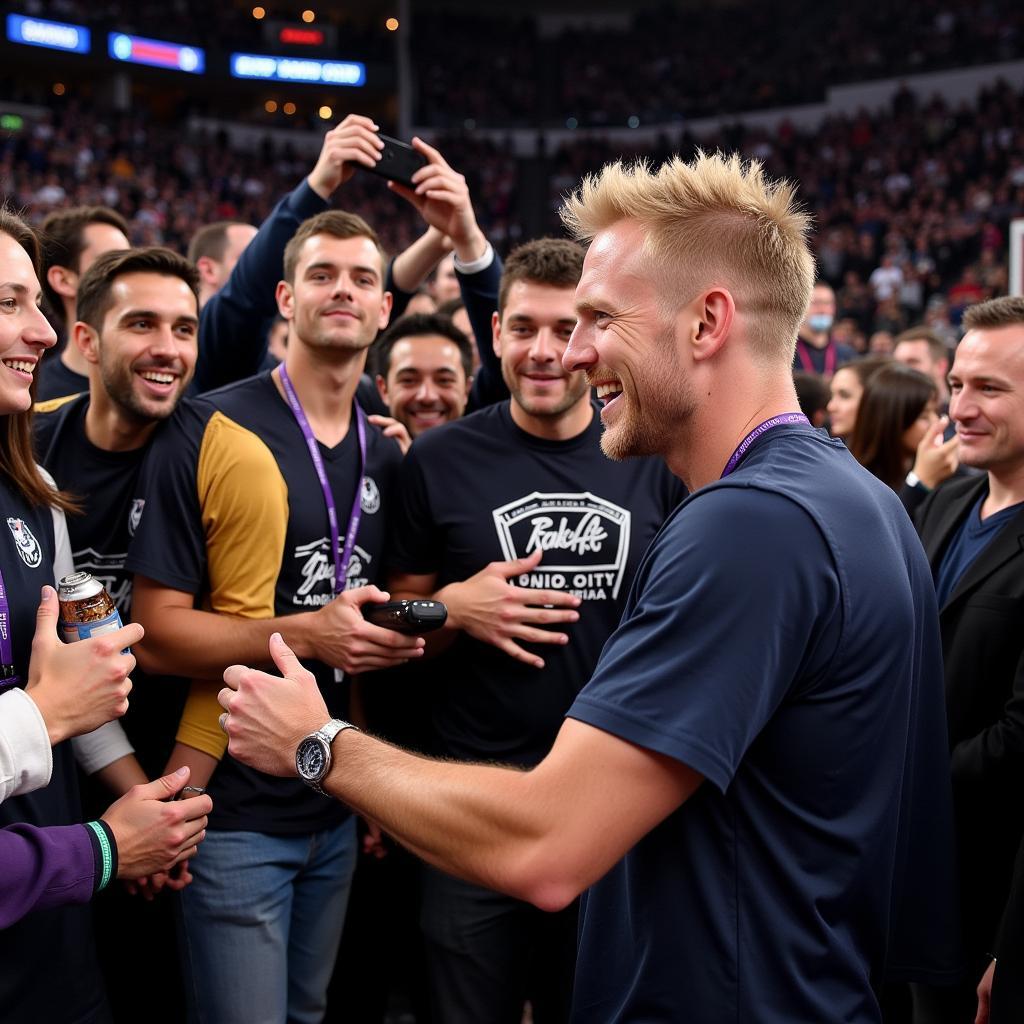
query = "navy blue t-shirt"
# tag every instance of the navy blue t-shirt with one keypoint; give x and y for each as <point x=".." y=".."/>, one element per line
<point x="973" y="535"/>
<point x="781" y="638"/>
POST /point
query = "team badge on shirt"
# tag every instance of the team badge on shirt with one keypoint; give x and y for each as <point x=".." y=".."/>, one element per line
<point x="135" y="515"/>
<point x="369" y="498"/>
<point x="26" y="543"/>
<point x="585" y="541"/>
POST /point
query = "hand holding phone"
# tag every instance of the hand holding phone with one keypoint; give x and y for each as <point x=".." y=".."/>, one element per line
<point x="410" y="617"/>
<point x="398" y="161"/>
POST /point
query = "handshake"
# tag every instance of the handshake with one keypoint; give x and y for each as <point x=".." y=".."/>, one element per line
<point x="82" y="686"/>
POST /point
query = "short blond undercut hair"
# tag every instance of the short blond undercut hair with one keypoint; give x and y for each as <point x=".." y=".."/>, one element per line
<point x="714" y="221"/>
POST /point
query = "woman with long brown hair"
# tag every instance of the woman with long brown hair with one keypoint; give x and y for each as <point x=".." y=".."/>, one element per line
<point x="898" y="410"/>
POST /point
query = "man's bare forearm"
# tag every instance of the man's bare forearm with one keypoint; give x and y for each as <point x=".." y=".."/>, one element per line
<point x="413" y="265"/>
<point x="479" y="822"/>
<point x="200" y="644"/>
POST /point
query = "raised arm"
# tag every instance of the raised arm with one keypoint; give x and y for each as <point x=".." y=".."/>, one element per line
<point x="543" y="835"/>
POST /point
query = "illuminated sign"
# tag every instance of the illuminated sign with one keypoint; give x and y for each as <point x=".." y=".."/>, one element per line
<point x="54" y="35"/>
<point x="301" y="37"/>
<point x="11" y="122"/>
<point x="157" y="54"/>
<point x="297" y="69"/>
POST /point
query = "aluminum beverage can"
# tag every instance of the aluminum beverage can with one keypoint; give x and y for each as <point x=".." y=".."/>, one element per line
<point x="86" y="608"/>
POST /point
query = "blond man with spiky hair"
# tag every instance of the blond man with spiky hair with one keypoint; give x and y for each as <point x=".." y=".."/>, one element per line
<point x="752" y="783"/>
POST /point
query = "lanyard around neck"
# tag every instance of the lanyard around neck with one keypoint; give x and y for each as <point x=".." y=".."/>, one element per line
<point x="342" y="559"/>
<point x="8" y="677"/>
<point x="762" y="428"/>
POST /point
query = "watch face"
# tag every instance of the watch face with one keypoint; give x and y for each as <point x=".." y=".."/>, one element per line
<point x="311" y="759"/>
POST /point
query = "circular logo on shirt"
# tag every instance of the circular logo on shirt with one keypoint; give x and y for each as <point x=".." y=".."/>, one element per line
<point x="135" y="515"/>
<point x="369" y="500"/>
<point x="26" y="543"/>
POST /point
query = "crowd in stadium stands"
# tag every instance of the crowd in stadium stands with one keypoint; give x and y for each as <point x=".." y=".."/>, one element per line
<point x="911" y="205"/>
<point x="908" y="223"/>
<point x="167" y="185"/>
<point x="604" y="75"/>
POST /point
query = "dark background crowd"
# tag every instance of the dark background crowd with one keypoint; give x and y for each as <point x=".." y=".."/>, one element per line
<point x="912" y="197"/>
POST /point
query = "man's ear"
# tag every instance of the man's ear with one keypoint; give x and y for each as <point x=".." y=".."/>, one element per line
<point x="87" y="340"/>
<point x="285" y="300"/>
<point x="708" y="321"/>
<point x="208" y="267"/>
<point x="385" y="310"/>
<point x="63" y="281"/>
<point x="382" y="388"/>
<point x="496" y="333"/>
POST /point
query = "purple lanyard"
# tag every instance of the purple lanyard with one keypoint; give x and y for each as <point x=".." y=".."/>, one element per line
<point x="340" y="563"/>
<point x="762" y="428"/>
<point x="7" y="674"/>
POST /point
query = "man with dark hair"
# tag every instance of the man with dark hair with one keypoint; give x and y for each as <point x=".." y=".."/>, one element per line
<point x="424" y="366"/>
<point x="214" y="250"/>
<point x="972" y="529"/>
<point x="136" y="333"/>
<point x="72" y="240"/>
<point x="485" y="499"/>
<point x="266" y="505"/>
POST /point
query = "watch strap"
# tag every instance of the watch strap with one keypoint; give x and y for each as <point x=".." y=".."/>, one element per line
<point x="327" y="733"/>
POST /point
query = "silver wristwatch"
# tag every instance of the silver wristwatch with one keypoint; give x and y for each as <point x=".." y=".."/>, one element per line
<point x="313" y="754"/>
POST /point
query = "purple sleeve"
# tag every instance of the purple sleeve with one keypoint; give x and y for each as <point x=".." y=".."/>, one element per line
<point x="43" y="868"/>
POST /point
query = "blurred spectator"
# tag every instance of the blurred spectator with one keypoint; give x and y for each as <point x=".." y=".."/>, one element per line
<point x="846" y="388"/>
<point x="813" y="395"/>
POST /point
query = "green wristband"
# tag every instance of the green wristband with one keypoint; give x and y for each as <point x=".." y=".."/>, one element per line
<point x="108" y="855"/>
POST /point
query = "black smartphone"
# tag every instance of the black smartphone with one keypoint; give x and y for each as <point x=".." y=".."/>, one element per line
<point x="398" y="162"/>
<point x="409" y="617"/>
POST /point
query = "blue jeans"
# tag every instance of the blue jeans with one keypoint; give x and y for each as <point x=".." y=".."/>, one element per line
<point x="261" y="924"/>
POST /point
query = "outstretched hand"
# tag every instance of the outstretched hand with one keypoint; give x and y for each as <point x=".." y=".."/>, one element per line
<point x="266" y="716"/>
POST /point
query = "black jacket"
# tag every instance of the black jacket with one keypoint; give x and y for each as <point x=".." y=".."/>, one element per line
<point x="983" y="649"/>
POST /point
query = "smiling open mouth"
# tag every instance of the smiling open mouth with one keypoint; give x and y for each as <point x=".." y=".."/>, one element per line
<point x="608" y="392"/>
<point x="22" y="365"/>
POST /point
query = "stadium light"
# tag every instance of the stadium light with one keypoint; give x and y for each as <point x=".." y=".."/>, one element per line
<point x="294" y="69"/>
<point x="156" y="53"/>
<point x="52" y="35"/>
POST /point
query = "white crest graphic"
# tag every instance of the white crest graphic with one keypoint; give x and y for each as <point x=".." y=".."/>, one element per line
<point x="316" y="567"/>
<point x="369" y="498"/>
<point x="585" y="541"/>
<point x="135" y="515"/>
<point x="26" y="543"/>
<point x="109" y="570"/>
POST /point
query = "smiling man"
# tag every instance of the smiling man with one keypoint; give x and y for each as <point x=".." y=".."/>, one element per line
<point x="972" y="530"/>
<point x="266" y="505"/>
<point x="751" y="783"/>
<point x="424" y="370"/>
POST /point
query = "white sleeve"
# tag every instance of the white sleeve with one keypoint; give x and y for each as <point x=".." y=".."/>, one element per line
<point x="26" y="761"/>
<point x="63" y="563"/>
<point x="101" y="747"/>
